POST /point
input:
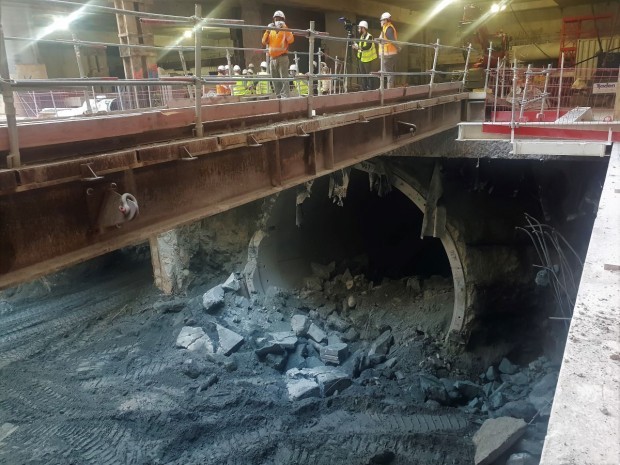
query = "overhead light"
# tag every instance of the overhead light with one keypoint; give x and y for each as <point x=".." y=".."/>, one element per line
<point x="497" y="7"/>
<point x="188" y="33"/>
<point x="61" y="23"/>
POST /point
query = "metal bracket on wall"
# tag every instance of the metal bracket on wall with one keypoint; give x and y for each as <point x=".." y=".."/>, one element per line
<point x="187" y="156"/>
<point x="252" y="142"/>
<point x="403" y="128"/>
<point x="88" y="174"/>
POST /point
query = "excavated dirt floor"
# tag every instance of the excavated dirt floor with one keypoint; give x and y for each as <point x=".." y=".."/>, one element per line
<point x="89" y="373"/>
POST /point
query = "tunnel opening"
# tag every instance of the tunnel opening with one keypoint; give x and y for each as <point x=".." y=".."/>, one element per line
<point x="378" y="236"/>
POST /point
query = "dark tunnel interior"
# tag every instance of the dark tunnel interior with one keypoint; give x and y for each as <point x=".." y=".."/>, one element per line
<point x="369" y="234"/>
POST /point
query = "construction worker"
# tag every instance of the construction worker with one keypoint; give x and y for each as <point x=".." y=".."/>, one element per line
<point x="222" y="89"/>
<point x="366" y="53"/>
<point x="263" y="87"/>
<point x="325" y="84"/>
<point x="239" y="86"/>
<point x="300" y="85"/>
<point x="388" y="49"/>
<point x="278" y="41"/>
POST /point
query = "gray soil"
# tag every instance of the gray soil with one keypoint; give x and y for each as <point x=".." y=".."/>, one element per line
<point x="90" y="374"/>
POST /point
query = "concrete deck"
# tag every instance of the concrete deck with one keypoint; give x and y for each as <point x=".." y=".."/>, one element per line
<point x="584" y="428"/>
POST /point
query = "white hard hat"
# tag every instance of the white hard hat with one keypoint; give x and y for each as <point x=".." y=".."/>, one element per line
<point x="363" y="24"/>
<point x="221" y="68"/>
<point x="226" y="67"/>
<point x="263" y="64"/>
<point x="245" y="71"/>
<point x="292" y="68"/>
<point x="236" y="68"/>
<point x="314" y="63"/>
<point x="251" y="65"/>
<point x="279" y="14"/>
<point x="386" y="15"/>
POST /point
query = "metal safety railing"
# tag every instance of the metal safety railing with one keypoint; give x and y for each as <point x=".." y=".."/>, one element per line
<point x="521" y="96"/>
<point x="83" y="96"/>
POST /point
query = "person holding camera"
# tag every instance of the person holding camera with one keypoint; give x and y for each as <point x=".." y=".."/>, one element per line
<point x="366" y="53"/>
<point x="388" y="49"/>
<point x="277" y="41"/>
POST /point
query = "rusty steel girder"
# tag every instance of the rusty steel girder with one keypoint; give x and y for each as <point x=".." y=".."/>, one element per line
<point x="51" y="213"/>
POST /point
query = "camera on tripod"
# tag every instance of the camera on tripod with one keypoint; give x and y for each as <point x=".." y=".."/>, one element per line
<point x="348" y="25"/>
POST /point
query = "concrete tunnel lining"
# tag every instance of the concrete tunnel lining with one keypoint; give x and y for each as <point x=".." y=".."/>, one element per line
<point x="258" y="258"/>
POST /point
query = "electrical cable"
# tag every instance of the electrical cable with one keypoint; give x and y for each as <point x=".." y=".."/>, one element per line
<point x="527" y="35"/>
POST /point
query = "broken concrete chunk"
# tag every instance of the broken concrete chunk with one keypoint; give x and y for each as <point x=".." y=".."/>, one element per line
<point x="213" y="298"/>
<point x="507" y="367"/>
<point x="351" y="301"/>
<point x="285" y="339"/>
<point x="296" y="359"/>
<point x="334" y="321"/>
<point x="335" y="353"/>
<point x="333" y="382"/>
<point x="269" y="347"/>
<point x="496" y="400"/>
<point x="276" y="361"/>
<point x="516" y="409"/>
<point x="194" y="338"/>
<point x="333" y="339"/>
<point x="229" y="341"/>
<point x="542" y="394"/>
<point x="232" y="284"/>
<point x="433" y="388"/>
<point x="300" y="324"/>
<point x="326" y="310"/>
<point x="492" y="373"/>
<point x="302" y="388"/>
<point x="316" y="333"/>
<point x="468" y="389"/>
<point x="323" y="271"/>
<point x="414" y="285"/>
<point x="495" y="436"/>
<point x="382" y="344"/>
<point x="350" y="335"/>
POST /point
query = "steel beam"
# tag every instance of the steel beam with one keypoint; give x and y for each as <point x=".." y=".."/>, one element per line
<point x="50" y="212"/>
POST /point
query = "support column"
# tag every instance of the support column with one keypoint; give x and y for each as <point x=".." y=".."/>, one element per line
<point x="250" y="13"/>
<point x="170" y="261"/>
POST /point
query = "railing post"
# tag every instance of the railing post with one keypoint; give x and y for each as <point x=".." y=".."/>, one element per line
<point x="311" y="70"/>
<point x="544" y="95"/>
<point x="524" y="98"/>
<point x="557" y="113"/>
<point x="13" y="159"/>
<point x="78" y="57"/>
<point x="496" y="90"/>
<point x="198" y="67"/>
<point x="514" y="99"/>
<point x="382" y="73"/>
<point x="465" y="70"/>
<point x="432" y="83"/>
<point x="486" y="78"/>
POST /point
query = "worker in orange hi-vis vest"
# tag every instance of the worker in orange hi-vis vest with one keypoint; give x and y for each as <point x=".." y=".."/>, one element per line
<point x="277" y="41"/>
<point x="222" y="89"/>
<point x="388" y="49"/>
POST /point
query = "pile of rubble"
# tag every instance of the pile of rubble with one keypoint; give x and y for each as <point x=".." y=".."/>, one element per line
<point x="314" y="339"/>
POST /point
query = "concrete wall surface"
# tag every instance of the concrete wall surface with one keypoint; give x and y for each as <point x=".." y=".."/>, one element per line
<point x="584" y="427"/>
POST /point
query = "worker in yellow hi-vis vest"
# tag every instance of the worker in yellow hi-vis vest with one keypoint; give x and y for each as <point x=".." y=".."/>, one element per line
<point x="263" y="87"/>
<point x="239" y="88"/>
<point x="366" y="53"/>
<point x="301" y="85"/>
